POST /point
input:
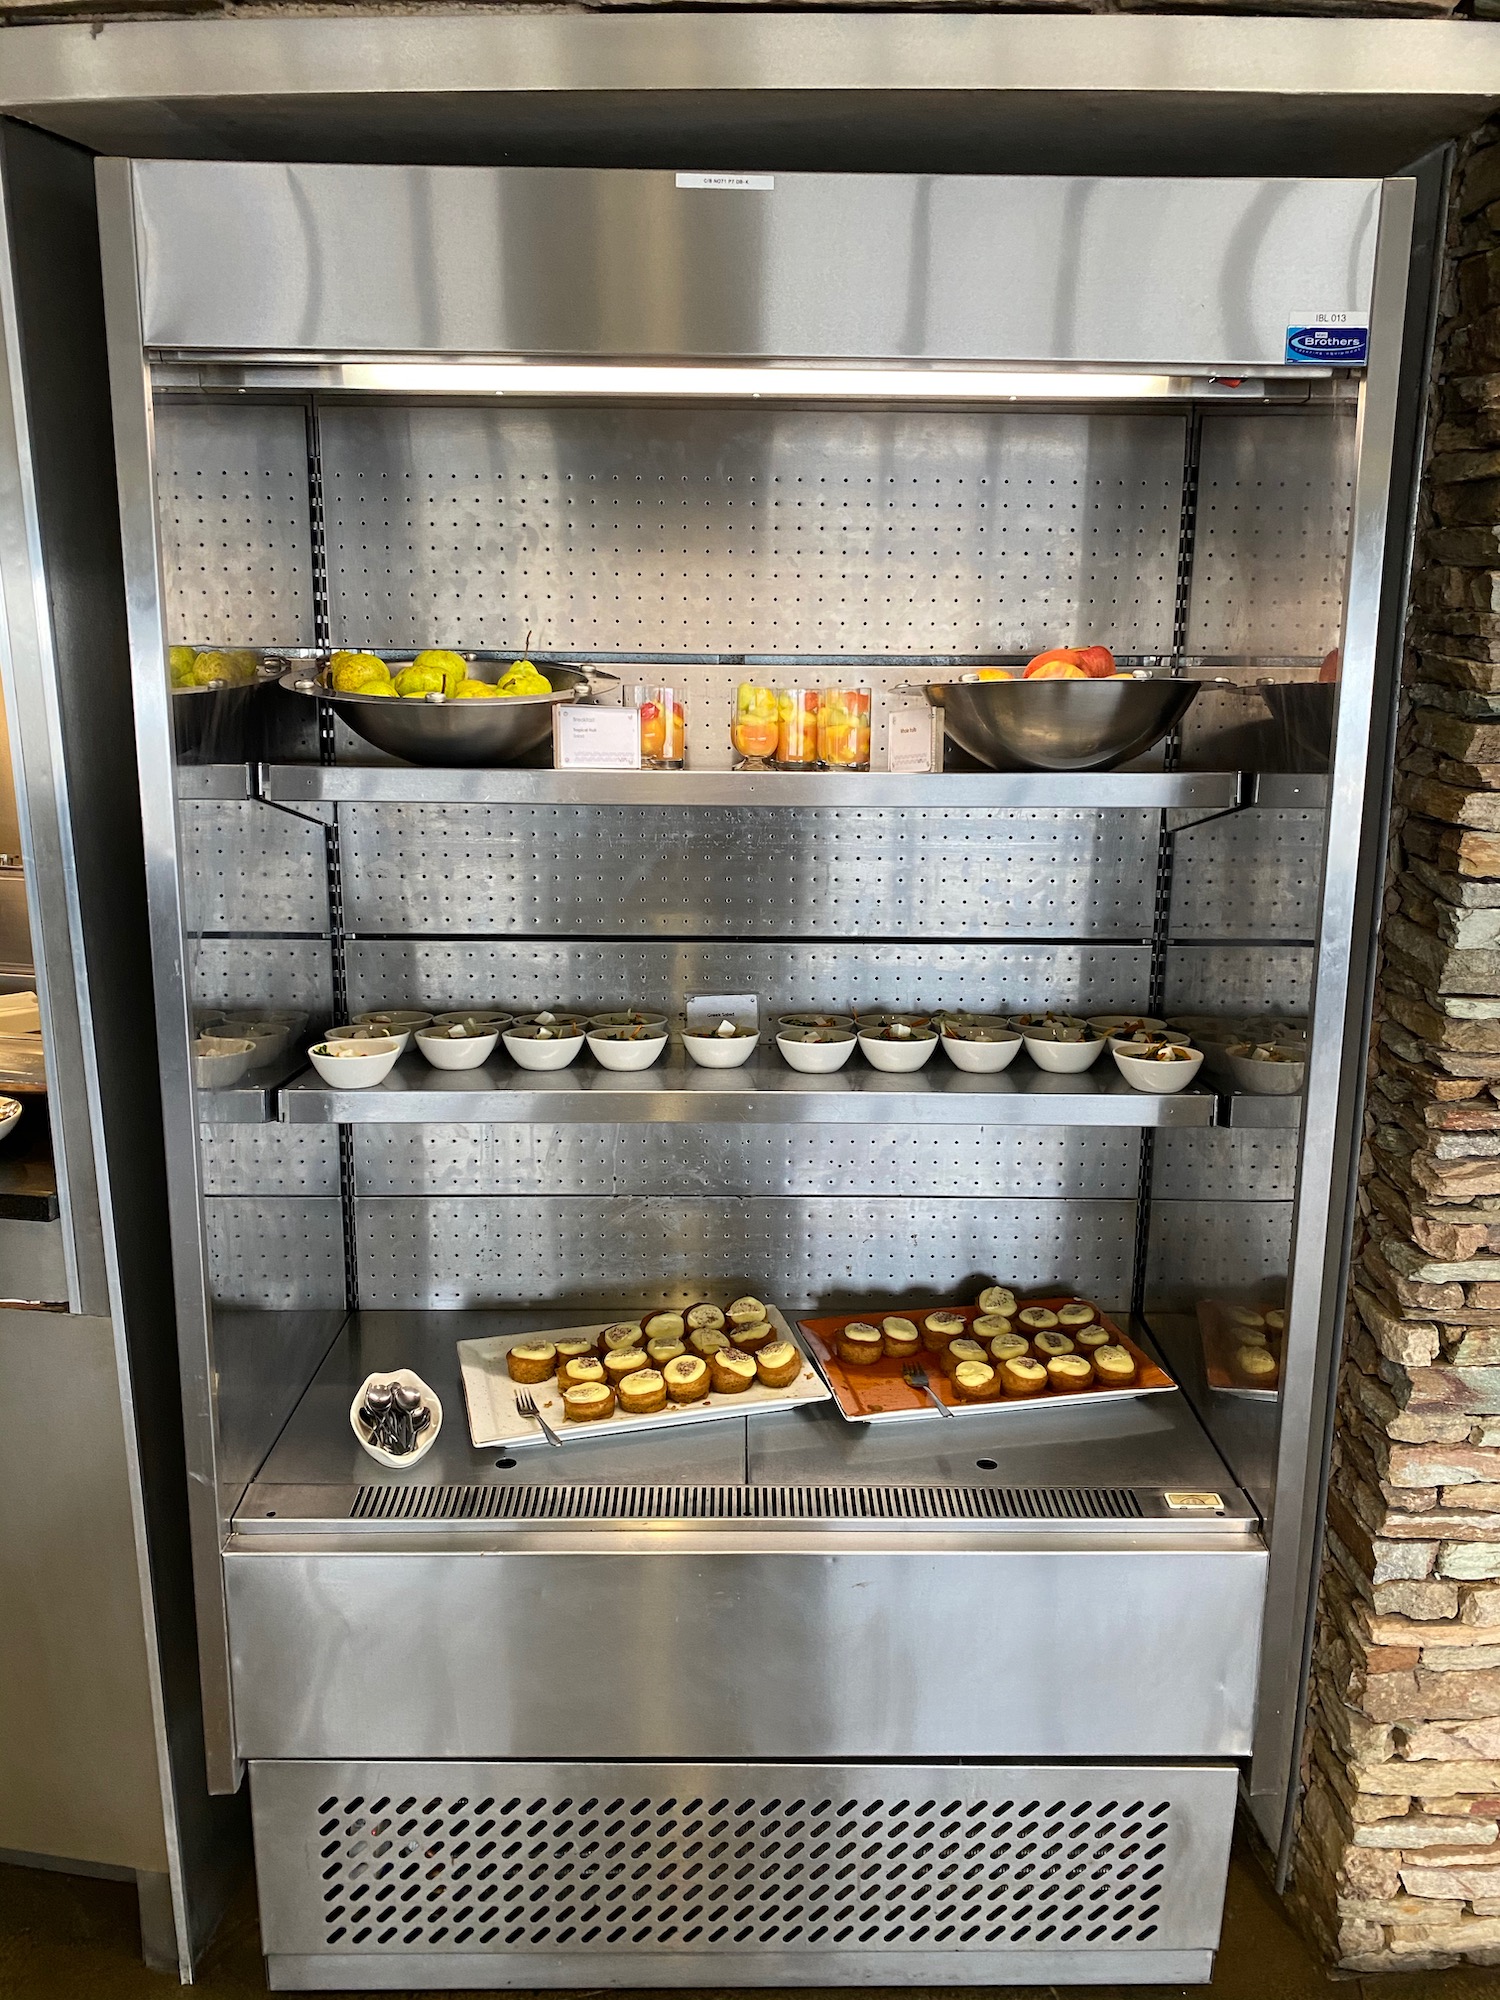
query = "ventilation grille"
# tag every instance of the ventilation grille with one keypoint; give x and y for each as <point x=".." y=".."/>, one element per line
<point x="744" y="1503"/>
<point x="408" y="1873"/>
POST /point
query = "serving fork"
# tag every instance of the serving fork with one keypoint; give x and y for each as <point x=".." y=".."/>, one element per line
<point x="526" y="1407"/>
<point x="917" y="1378"/>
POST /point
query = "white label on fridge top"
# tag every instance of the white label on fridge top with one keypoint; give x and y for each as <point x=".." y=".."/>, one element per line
<point x="908" y="740"/>
<point x="706" y="1010"/>
<point x="756" y="183"/>
<point x="596" y="739"/>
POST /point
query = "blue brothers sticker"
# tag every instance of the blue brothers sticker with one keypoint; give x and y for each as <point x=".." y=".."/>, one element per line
<point x="1329" y="340"/>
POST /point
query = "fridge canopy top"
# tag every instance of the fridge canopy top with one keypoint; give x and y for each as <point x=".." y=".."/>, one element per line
<point x="1193" y="276"/>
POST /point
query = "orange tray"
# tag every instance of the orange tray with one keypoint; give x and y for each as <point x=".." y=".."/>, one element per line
<point x="878" y="1394"/>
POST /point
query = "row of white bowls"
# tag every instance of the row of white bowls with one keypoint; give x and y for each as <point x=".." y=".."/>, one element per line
<point x="534" y="1044"/>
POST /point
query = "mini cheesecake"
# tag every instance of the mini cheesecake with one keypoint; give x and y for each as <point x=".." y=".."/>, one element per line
<point x="1050" y="1345"/>
<point x="589" y="1402"/>
<point x="1244" y="1319"/>
<point x="986" y="1325"/>
<point x="687" y="1379"/>
<point x="1114" y="1365"/>
<point x="859" y="1343"/>
<point x="707" y="1340"/>
<point x="1070" y="1372"/>
<point x="745" y="1312"/>
<point x="961" y="1350"/>
<point x="997" y="1299"/>
<point x="945" y="1324"/>
<point x="976" y="1381"/>
<point x="1023" y="1377"/>
<point x="778" y="1365"/>
<point x="623" y="1335"/>
<point x="1076" y="1313"/>
<point x="661" y="1326"/>
<point x="582" y="1368"/>
<point x="732" y="1372"/>
<point x="709" y="1316"/>
<point x="751" y="1339"/>
<point x="1276" y="1320"/>
<point x="575" y="1347"/>
<point x="900" y="1339"/>
<point x="624" y="1361"/>
<point x="1007" y="1347"/>
<point x="1258" y="1365"/>
<point x="642" y="1393"/>
<point x="531" y="1361"/>
<point x="1037" y="1319"/>
<point x="660" y="1352"/>
<point x="1092" y="1336"/>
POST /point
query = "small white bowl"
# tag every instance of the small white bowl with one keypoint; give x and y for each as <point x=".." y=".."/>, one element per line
<point x="271" y="1038"/>
<point x="820" y="1058"/>
<point x="428" y="1438"/>
<point x="10" y="1112"/>
<point x="1269" y="1079"/>
<point x="526" y="1045"/>
<point x="897" y="1058"/>
<point x="1122" y="1027"/>
<point x="399" y="1020"/>
<point x="447" y="1051"/>
<point x="721" y="1051"/>
<point x="1063" y="1058"/>
<point x="1158" y="1079"/>
<point x="219" y="1061"/>
<point x="613" y="1048"/>
<point x="983" y="1058"/>
<point x="474" y="1017"/>
<point x="628" y="1017"/>
<point x="373" y="1065"/>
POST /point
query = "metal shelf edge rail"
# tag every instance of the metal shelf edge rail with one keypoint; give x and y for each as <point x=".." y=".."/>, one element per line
<point x="409" y="784"/>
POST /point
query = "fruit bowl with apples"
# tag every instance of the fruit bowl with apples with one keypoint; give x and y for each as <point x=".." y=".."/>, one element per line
<point x="1070" y="708"/>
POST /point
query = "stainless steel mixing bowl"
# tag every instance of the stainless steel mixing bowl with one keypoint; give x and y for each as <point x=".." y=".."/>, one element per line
<point x="1059" y="725"/>
<point x="472" y="733"/>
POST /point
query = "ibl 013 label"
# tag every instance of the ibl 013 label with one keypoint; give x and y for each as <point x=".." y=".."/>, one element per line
<point x="1329" y="340"/>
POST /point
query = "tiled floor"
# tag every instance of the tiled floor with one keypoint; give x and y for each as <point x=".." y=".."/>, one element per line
<point x="66" y="1938"/>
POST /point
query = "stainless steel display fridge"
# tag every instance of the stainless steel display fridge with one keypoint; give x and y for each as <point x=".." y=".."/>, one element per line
<point x="783" y="1698"/>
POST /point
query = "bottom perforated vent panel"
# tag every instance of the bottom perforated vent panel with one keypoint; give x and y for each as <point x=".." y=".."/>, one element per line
<point x="592" y="1858"/>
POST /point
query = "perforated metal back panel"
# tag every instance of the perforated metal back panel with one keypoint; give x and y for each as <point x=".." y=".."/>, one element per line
<point x="602" y="871"/>
<point x="735" y="530"/>
<point x="443" y="974"/>
<point x="649" y="1858"/>
<point x="233" y="506"/>
<point x="1273" y="531"/>
<point x="973" y="1160"/>
<point x="476" y="1251"/>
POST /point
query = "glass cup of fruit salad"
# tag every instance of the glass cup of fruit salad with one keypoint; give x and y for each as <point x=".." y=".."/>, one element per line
<point x="756" y="726"/>
<point x="663" y="726"/>
<point x="844" y="729"/>
<point x="798" y="710"/>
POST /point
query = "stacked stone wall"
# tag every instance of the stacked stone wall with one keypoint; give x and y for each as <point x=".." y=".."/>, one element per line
<point x="1398" y="1860"/>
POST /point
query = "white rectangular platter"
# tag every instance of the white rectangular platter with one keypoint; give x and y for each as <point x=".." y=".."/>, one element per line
<point x="491" y="1395"/>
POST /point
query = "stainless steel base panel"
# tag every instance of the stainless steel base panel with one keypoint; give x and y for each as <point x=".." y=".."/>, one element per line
<point x="595" y="1874"/>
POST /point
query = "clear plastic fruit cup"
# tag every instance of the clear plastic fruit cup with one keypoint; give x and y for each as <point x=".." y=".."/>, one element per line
<point x="755" y="727"/>
<point x="797" y="735"/>
<point x="844" y="729"/>
<point x="663" y="720"/>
